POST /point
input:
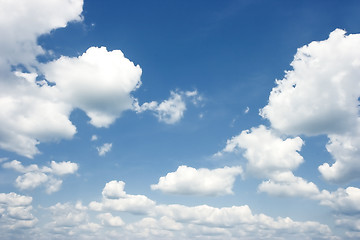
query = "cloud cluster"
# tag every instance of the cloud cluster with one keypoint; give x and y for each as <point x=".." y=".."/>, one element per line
<point x="190" y="181"/>
<point x="69" y="220"/>
<point x="320" y="96"/>
<point x="270" y="156"/>
<point x="15" y="212"/>
<point x="183" y="222"/>
<point x="35" y="176"/>
<point x="161" y="221"/>
<point x="114" y="198"/>
<point x="37" y="98"/>
<point x="30" y="113"/>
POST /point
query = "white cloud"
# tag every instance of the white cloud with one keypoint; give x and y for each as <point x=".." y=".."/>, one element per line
<point x="63" y="168"/>
<point x="71" y="221"/>
<point x="20" y="28"/>
<point x="190" y="181"/>
<point x="345" y="149"/>
<point x="205" y="222"/>
<point x="29" y="113"/>
<point x="270" y="156"/>
<point x="344" y="201"/>
<point x="172" y="110"/>
<point x="266" y="152"/>
<point x="31" y="180"/>
<point x="238" y="222"/>
<point x="246" y="111"/>
<point x="169" y="111"/>
<point x="98" y="82"/>
<point x="320" y="96"/>
<point x="105" y="148"/>
<point x="94" y="138"/>
<point x="65" y="214"/>
<point x="15" y="211"/>
<point x="351" y="224"/>
<point x="116" y="199"/>
<point x="114" y="189"/>
<point x="286" y="184"/>
<point x="13" y="199"/>
<point x="33" y="176"/>
<point x="109" y="219"/>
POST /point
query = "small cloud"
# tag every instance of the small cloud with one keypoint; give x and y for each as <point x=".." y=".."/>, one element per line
<point x="94" y="137"/>
<point x="102" y="150"/>
<point x="172" y="110"/>
<point x="246" y="110"/>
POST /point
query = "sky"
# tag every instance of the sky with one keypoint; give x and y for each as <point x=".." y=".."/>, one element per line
<point x="235" y="119"/>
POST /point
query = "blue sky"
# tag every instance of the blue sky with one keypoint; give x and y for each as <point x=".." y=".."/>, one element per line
<point x="179" y="119"/>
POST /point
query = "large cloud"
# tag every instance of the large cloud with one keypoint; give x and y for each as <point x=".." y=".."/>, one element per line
<point x="190" y="181"/>
<point x="320" y="96"/>
<point x="98" y="82"/>
<point x="23" y="21"/>
<point x="30" y="114"/>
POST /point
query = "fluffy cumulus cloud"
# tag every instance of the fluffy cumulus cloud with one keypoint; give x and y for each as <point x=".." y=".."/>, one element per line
<point x="286" y="184"/>
<point x="266" y="152"/>
<point x="270" y="156"/>
<point x="30" y="113"/>
<point x="109" y="219"/>
<point x="190" y="181"/>
<point x="156" y="221"/>
<point x="70" y="220"/>
<point x="344" y="201"/>
<point x="116" y="199"/>
<point x="205" y="222"/>
<point x="37" y="98"/>
<point x="34" y="176"/>
<point x="98" y="82"/>
<point x="345" y="150"/>
<point x="320" y="96"/>
<point x="21" y="29"/>
<point x="15" y="212"/>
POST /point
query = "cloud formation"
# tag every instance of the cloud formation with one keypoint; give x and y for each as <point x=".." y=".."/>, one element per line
<point x="320" y="96"/>
<point x="34" y="176"/>
<point x="99" y="82"/>
<point x="15" y="212"/>
<point x="37" y="98"/>
<point x="266" y="152"/>
<point x="172" y="110"/>
<point x="190" y="181"/>
<point x="114" y="198"/>
<point x="105" y="148"/>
